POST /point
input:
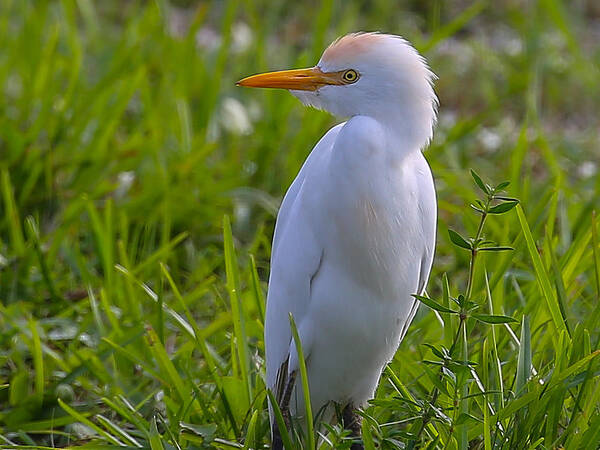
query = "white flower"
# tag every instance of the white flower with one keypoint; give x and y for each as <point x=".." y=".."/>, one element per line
<point x="489" y="139"/>
<point x="124" y="182"/>
<point x="587" y="169"/>
<point x="242" y="37"/>
<point x="234" y="117"/>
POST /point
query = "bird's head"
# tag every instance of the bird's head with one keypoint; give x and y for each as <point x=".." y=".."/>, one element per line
<point x="371" y="74"/>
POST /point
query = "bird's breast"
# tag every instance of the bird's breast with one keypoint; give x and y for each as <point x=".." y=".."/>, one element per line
<point x="376" y="231"/>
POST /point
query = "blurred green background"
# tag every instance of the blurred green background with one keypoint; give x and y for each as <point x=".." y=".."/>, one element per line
<point x="124" y="142"/>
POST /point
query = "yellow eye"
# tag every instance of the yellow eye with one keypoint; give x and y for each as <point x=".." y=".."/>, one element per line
<point x="350" y="76"/>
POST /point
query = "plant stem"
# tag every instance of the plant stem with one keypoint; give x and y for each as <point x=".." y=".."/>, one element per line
<point x="484" y="215"/>
<point x="435" y="392"/>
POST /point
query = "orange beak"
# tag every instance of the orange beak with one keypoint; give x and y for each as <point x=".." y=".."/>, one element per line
<point x="297" y="79"/>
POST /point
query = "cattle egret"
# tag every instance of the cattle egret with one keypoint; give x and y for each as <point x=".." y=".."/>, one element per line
<point x="355" y="234"/>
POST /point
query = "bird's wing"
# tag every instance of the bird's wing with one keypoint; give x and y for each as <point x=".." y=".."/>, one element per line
<point x="322" y="146"/>
<point x="428" y="215"/>
<point x="295" y="259"/>
<point x="428" y="207"/>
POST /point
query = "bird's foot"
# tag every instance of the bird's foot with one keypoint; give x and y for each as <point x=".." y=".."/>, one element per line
<point x="277" y="442"/>
<point x="352" y="421"/>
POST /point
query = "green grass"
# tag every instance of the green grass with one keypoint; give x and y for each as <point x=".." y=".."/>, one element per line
<point x="138" y="192"/>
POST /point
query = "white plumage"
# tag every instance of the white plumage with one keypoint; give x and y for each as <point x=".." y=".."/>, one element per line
<point x="355" y="234"/>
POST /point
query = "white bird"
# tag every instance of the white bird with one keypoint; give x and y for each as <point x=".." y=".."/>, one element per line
<point x="355" y="234"/>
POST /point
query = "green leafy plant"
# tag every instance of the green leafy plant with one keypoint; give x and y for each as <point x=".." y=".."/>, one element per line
<point x="455" y="368"/>
<point x="463" y="394"/>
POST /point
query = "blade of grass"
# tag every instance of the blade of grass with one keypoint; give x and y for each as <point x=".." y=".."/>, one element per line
<point x="405" y="393"/>
<point x="258" y="295"/>
<point x="367" y="437"/>
<point x="561" y="292"/>
<point x="496" y="359"/>
<point x="154" y="436"/>
<point x="541" y="275"/>
<point x="596" y="253"/>
<point x="34" y="236"/>
<point x="11" y="214"/>
<point x="231" y="269"/>
<point x="121" y="408"/>
<point x="310" y="434"/>
<point x="38" y="362"/>
<point x="285" y="436"/>
<point x="487" y="441"/>
<point x="463" y="384"/>
<point x="251" y="441"/>
<point x="117" y="430"/>
<point x="524" y="358"/>
<point x="454" y="26"/>
<point x="166" y="366"/>
<point x="81" y="418"/>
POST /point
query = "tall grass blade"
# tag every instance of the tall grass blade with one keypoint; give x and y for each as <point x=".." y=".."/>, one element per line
<point x="541" y="275"/>
<point x="233" y="283"/>
<point x="258" y="295"/>
<point x="524" y="358"/>
<point x="251" y="441"/>
<point x="81" y="418"/>
<point x="310" y="434"/>
<point x="38" y="362"/>
<point x="154" y="436"/>
<point x="167" y="369"/>
<point x="11" y="215"/>
<point x="596" y="253"/>
<point x="367" y="437"/>
<point x="285" y="436"/>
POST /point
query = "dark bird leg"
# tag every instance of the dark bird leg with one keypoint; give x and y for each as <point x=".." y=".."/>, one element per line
<point x="352" y="422"/>
<point x="284" y="405"/>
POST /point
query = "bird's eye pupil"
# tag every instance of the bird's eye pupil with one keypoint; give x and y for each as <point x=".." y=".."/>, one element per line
<point x="350" y="75"/>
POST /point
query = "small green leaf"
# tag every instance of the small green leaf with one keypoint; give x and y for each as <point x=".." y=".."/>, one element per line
<point x="458" y="240"/>
<point x="502" y="185"/>
<point x="466" y="417"/>
<point x="479" y="210"/>
<point x="207" y="432"/>
<point x="479" y="182"/>
<point x="495" y="249"/>
<point x="493" y="318"/>
<point x="435" y="351"/>
<point x="433" y="304"/>
<point x="503" y="207"/>
<point x="505" y="198"/>
<point x="434" y="377"/>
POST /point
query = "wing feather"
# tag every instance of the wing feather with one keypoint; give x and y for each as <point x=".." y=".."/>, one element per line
<point x="429" y="218"/>
<point x="295" y="260"/>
